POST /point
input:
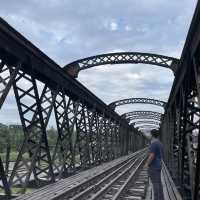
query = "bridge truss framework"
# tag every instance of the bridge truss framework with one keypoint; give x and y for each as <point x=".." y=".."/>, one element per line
<point x="180" y="125"/>
<point x="101" y="134"/>
<point x="88" y="131"/>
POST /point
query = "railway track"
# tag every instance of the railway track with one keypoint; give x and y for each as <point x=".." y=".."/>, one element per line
<point x="102" y="180"/>
<point x="126" y="181"/>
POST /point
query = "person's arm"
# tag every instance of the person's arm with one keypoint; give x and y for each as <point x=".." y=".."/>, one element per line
<point x="152" y="153"/>
<point x="149" y="159"/>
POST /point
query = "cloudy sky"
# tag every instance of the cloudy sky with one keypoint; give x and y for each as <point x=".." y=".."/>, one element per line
<point x="67" y="30"/>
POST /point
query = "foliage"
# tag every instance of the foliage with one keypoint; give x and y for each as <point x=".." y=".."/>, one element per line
<point x="12" y="136"/>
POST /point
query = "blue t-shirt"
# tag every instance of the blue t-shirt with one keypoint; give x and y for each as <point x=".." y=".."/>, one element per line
<point x="157" y="149"/>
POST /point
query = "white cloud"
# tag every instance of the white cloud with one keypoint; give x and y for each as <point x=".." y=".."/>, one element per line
<point x="113" y="26"/>
<point x="134" y="76"/>
<point x="128" y="28"/>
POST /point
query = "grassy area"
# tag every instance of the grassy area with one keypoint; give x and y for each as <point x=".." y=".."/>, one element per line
<point x="17" y="190"/>
<point x="13" y="156"/>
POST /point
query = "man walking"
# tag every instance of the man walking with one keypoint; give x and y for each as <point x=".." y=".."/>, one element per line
<point x="154" y="164"/>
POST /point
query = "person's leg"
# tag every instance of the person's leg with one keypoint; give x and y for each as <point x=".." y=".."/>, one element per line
<point x="159" y="186"/>
<point x="155" y="176"/>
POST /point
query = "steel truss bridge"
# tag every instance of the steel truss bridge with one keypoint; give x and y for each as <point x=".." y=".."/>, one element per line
<point x="89" y="132"/>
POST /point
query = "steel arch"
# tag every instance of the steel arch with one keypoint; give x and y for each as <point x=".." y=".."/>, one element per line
<point x="145" y="122"/>
<point x="146" y="125"/>
<point x="141" y="113"/>
<point x="156" y="102"/>
<point x="150" y="117"/>
<point x="121" y="58"/>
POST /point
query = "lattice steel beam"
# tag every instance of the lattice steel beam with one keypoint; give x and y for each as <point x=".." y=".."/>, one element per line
<point x="121" y="58"/>
<point x="3" y="179"/>
<point x="148" y="127"/>
<point x="141" y="113"/>
<point x="156" y="102"/>
<point x="146" y="122"/>
<point x="34" y="113"/>
<point x="64" y="153"/>
<point x="83" y="136"/>
<point x="196" y="175"/>
<point x="144" y="127"/>
<point x="7" y="77"/>
<point x="94" y="137"/>
<point x="150" y="117"/>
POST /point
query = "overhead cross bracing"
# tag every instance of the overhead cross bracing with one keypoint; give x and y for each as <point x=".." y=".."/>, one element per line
<point x="147" y="126"/>
<point x="142" y="113"/>
<point x="134" y="116"/>
<point x="121" y="58"/>
<point x="121" y="102"/>
<point x="145" y="122"/>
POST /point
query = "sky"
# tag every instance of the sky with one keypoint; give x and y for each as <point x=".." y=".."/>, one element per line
<point x="67" y="30"/>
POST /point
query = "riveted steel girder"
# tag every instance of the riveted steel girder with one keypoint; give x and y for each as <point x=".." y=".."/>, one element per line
<point x="146" y="125"/>
<point x="141" y="113"/>
<point x="146" y="122"/>
<point x="156" y="102"/>
<point x="150" y="127"/>
<point x="121" y="58"/>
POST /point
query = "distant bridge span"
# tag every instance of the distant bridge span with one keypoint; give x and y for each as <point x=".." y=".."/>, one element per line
<point x="142" y="122"/>
<point x="143" y="115"/>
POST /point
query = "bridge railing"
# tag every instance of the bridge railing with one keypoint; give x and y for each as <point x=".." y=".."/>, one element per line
<point x="88" y="131"/>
